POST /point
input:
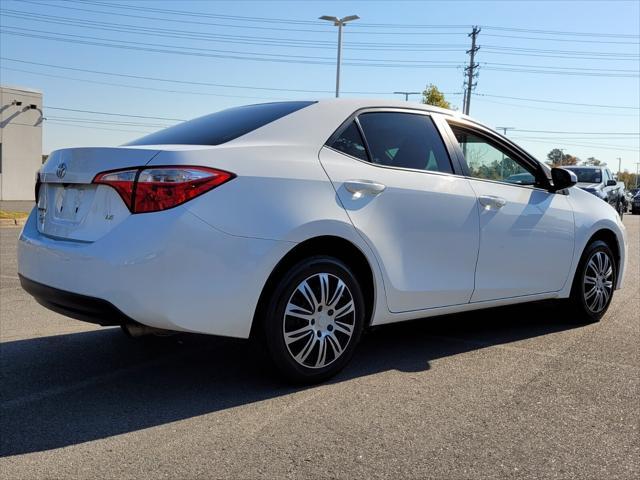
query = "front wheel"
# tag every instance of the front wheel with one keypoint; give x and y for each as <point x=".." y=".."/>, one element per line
<point x="593" y="284"/>
<point x="314" y="320"/>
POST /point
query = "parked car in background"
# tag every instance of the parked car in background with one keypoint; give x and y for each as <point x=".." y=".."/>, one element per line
<point x="303" y="223"/>
<point x="628" y="200"/>
<point x="635" y="204"/>
<point x="600" y="182"/>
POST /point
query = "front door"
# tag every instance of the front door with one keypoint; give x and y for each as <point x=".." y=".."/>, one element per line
<point x="526" y="232"/>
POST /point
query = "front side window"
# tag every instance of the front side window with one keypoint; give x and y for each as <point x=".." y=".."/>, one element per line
<point x="489" y="162"/>
<point x="404" y="140"/>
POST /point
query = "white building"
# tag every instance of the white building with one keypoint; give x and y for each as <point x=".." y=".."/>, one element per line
<point x="20" y="141"/>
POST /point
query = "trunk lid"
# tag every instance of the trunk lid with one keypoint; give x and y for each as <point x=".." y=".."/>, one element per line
<point x="69" y="206"/>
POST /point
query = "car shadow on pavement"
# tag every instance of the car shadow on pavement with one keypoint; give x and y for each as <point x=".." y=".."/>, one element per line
<point x="69" y="389"/>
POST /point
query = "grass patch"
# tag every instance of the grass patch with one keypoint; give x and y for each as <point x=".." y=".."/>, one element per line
<point x="13" y="215"/>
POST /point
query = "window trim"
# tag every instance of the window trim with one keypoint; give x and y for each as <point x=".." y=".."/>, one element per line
<point x="516" y="153"/>
<point x="437" y="122"/>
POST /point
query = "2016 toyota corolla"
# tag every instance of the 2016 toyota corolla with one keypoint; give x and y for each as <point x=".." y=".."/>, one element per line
<point x="306" y="222"/>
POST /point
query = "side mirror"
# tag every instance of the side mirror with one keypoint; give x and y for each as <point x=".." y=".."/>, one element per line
<point x="562" y="179"/>
<point x="611" y="183"/>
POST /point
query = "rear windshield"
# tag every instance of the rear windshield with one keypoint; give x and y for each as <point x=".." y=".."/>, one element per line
<point x="220" y="127"/>
<point x="587" y="175"/>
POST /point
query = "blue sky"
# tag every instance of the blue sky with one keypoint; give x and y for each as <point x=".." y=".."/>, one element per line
<point x="238" y="52"/>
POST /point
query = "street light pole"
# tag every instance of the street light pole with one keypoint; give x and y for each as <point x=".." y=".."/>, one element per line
<point x="406" y="94"/>
<point x="339" y="22"/>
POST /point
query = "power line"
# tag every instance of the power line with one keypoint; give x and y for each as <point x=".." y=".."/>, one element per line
<point x="112" y="114"/>
<point x="560" y="141"/>
<point x="637" y="134"/>
<point x="560" y="102"/>
<point x="97" y="128"/>
<point x="564" y="52"/>
<point x="291" y="90"/>
<point x="203" y="52"/>
<point x="570" y="40"/>
<point x="580" y="69"/>
<point x="307" y="22"/>
<point x="562" y="110"/>
<point x="237" y="39"/>
<point x="186" y="82"/>
<point x="138" y="87"/>
<point x="290" y="42"/>
<point x="227" y="25"/>
<point x="104" y="122"/>
<point x="562" y="72"/>
<point x="560" y="32"/>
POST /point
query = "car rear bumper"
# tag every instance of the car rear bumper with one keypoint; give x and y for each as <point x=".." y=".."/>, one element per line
<point x="74" y="305"/>
<point x="167" y="270"/>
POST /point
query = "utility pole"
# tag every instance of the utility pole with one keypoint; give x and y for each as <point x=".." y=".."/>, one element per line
<point x="406" y="94"/>
<point x="339" y="22"/>
<point x="471" y="69"/>
<point x="619" y="166"/>
<point x="561" y="156"/>
<point x="504" y="129"/>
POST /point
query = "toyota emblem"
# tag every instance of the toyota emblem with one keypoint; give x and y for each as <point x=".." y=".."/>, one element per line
<point x="61" y="171"/>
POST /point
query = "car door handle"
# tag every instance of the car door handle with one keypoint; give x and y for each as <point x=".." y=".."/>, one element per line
<point x="364" y="187"/>
<point x="492" y="201"/>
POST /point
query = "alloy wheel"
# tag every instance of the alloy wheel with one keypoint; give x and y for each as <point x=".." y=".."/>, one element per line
<point x="319" y="320"/>
<point x="598" y="281"/>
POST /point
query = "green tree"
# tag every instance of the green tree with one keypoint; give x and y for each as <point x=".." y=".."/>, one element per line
<point x="628" y="178"/>
<point x="433" y="96"/>
<point x="593" y="162"/>
<point x="557" y="158"/>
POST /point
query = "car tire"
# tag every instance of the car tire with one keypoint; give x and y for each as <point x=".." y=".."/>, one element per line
<point x="314" y="320"/>
<point x="593" y="284"/>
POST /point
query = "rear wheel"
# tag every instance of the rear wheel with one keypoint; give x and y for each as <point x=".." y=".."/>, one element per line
<point x="314" y="320"/>
<point x="593" y="284"/>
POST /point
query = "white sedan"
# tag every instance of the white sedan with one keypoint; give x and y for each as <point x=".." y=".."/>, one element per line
<point x="303" y="223"/>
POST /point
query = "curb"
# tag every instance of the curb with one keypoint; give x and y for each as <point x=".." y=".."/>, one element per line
<point x="12" y="222"/>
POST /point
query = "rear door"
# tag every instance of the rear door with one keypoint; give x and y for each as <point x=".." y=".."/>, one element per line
<point x="400" y="190"/>
<point x="70" y="206"/>
<point x="526" y="232"/>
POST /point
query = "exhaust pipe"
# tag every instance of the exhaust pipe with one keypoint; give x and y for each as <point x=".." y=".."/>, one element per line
<point x="135" y="330"/>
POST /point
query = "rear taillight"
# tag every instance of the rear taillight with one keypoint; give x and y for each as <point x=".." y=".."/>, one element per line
<point x="160" y="188"/>
<point x="37" y="186"/>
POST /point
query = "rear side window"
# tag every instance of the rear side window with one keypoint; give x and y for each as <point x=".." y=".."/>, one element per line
<point x="404" y="140"/>
<point x="350" y="142"/>
<point x="223" y="126"/>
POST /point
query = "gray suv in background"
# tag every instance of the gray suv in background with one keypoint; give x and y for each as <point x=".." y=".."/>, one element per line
<point x="600" y="182"/>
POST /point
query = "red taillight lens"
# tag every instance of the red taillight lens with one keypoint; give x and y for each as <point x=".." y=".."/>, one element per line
<point x="160" y="188"/>
<point x="123" y="182"/>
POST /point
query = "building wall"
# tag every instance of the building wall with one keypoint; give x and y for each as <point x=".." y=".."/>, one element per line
<point x="21" y="139"/>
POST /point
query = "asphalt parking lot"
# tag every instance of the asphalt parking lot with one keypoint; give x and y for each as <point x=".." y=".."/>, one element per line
<point x="508" y="393"/>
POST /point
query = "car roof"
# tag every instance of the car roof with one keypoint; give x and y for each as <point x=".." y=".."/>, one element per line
<point x="326" y="115"/>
